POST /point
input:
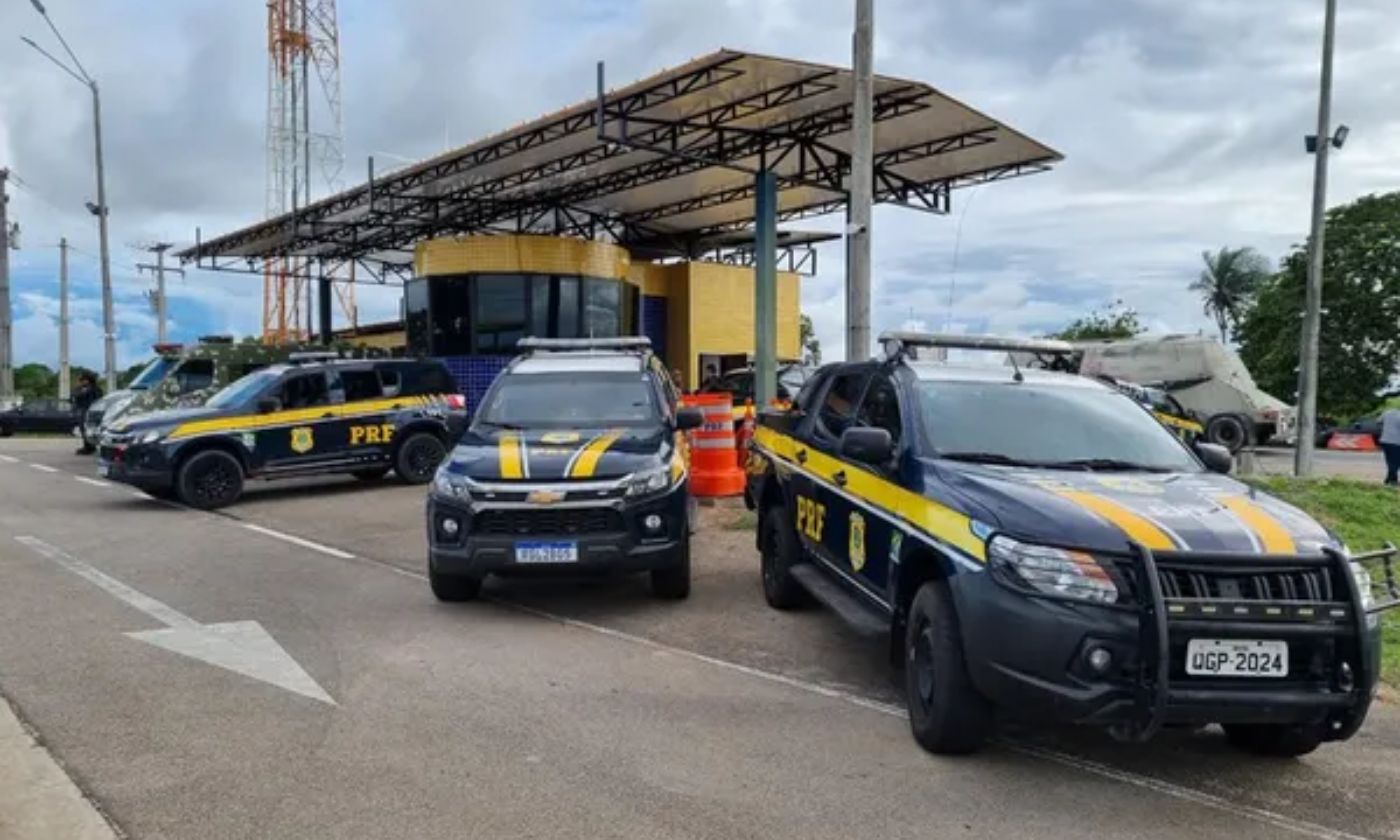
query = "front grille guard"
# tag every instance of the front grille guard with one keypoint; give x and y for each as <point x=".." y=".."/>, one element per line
<point x="1153" y="690"/>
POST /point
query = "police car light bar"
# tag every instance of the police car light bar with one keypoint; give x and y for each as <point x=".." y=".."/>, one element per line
<point x="895" y="342"/>
<point x="560" y="344"/>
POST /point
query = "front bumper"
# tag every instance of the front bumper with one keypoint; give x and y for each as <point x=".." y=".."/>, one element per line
<point x="610" y="536"/>
<point x="141" y="465"/>
<point x="1029" y="653"/>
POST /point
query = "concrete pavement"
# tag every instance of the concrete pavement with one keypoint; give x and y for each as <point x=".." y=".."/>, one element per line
<point x="573" y="710"/>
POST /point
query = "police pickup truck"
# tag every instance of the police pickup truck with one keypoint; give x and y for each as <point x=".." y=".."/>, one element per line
<point x="574" y="463"/>
<point x="315" y="415"/>
<point x="1038" y="545"/>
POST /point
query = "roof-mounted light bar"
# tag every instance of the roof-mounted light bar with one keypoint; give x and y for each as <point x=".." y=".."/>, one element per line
<point x="555" y="345"/>
<point x="898" y="342"/>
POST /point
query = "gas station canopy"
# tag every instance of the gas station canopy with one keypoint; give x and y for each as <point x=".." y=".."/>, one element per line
<point x="664" y="166"/>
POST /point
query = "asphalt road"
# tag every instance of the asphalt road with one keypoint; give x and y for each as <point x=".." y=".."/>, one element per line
<point x="579" y="710"/>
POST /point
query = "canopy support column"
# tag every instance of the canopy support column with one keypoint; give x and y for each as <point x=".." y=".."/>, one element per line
<point x="765" y="322"/>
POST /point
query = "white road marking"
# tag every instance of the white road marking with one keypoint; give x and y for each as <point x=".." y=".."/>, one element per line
<point x="294" y="540"/>
<point x="94" y="482"/>
<point x="9" y="459"/>
<point x="243" y="647"/>
<point x="44" y="468"/>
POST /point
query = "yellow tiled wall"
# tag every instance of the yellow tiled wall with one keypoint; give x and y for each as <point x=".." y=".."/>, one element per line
<point x="520" y="255"/>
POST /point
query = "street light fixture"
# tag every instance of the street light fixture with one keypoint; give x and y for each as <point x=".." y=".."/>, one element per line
<point x="109" y="338"/>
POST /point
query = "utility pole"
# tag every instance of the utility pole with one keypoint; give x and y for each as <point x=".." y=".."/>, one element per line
<point x="64" y="384"/>
<point x="7" y="370"/>
<point x="1312" y="313"/>
<point x="159" y="270"/>
<point x="862" y="187"/>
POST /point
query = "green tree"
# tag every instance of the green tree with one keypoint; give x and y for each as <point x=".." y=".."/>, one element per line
<point x="1359" y="343"/>
<point x="807" y="337"/>
<point x="1228" y="283"/>
<point x="35" y="380"/>
<point x="1114" y="321"/>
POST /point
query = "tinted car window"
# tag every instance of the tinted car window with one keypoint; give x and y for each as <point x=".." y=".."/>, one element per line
<point x="880" y="408"/>
<point x="360" y="385"/>
<point x="305" y="390"/>
<point x="839" y="404"/>
<point x="571" y="400"/>
<point x="390" y="380"/>
<point x="194" y="374"/>
<point x="420" y="379"/>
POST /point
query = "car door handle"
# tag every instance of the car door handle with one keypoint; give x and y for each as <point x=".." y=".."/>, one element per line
<point x="396" y="406"/>
<point x="327" y="416"/>
<point x="801" y="456"/>
<point x="839" y="478"/>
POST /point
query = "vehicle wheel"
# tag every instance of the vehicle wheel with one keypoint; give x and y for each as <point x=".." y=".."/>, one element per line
<point x="453" y="589"/>
<point x="418" y="457"/>
<point x="1275" y="740"/>
<point x="778" y="553"/>
<point x="209" y="479"/>
<point x="371" y="475"/>
<point x="946" y="713"/>
<point x="1229" y="431"/>
<point x="673" y="583"/>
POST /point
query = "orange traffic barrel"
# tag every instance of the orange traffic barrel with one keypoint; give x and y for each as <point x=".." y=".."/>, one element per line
<point x="1352" y="442"/>
<point x="714" y="461"/>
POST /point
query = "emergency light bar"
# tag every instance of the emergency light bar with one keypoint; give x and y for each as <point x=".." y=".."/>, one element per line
<point x="635" y="342"/>
<point x="897" y="342"/>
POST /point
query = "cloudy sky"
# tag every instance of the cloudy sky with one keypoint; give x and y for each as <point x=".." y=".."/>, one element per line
<point x="1181" y="122"/>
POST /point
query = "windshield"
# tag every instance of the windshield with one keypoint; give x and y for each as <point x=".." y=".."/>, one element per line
<point x="238" y="393"/>
<point x="1046" y="425"/>
<point x="571" y="400"/>
<point x="153" y="373"/>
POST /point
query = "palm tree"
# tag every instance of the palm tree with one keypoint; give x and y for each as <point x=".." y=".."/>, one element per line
<point x="1228" y="283"/>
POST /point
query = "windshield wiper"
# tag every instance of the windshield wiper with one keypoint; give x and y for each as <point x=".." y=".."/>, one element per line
<point x="988" y="458"/>
<point x="1108" y="465"/>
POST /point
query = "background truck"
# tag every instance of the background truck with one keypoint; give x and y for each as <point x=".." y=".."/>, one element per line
<point x="1204" y="376"/>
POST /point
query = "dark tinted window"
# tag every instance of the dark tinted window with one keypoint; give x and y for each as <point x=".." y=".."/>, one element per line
<point x="450" y="311"/>
<point x="601" y="314"/>
<point x="631" y="303"/>
<point x="539" y="306"/>
<point x="305" y="390"/>
<point x="194" y="374"/>
<point x="390" y="380"/>
<point x="571" y="400"/>
<point x="360" y="385"/>
<point x="426" y="378"/>
<point x="415" y="305"/>
<point x="500" y="313"/>
<point x="568" y="309"/>
<point x="839" y="404"/>
<point x="880" y="408"/>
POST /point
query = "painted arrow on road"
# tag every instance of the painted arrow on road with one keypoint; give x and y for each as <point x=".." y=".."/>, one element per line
<point x="242" y="647"/>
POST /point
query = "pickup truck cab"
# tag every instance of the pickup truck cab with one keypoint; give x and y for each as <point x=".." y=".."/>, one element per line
<point x="1038" y="545"/>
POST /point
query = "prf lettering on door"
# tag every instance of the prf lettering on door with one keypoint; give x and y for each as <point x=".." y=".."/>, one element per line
<point x="811" y="516"/>
<point x="377" y="433"/>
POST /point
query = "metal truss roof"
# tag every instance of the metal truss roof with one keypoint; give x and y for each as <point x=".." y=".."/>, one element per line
<point x="664" y="164"/>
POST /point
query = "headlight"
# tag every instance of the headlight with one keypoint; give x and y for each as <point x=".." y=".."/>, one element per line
<point x="150" y="436"/>
<point x="1054" y="571"/>
<point x="449" y="485"/>
<point x="1363" y="584"/>
<point x="652" y="480"/>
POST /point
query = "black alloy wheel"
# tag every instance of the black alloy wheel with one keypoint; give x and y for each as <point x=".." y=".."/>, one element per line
<point x="209" y="480"/>
<point x="418" y="457"/>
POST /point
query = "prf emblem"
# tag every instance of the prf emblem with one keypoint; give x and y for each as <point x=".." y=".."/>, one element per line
<point x="302" y="440"/>
<point x="856" y="544"/>
<point x="373" y="433"/>
<point x="811" y="516"/>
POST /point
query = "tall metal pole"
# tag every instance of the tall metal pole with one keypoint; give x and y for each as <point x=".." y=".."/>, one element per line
<point x="65" y="389"/>
<point x="765" y="286"/>
<point x="159" y="270"/>
<point x="7" y="370"/>
<point x="862" y="187"/>
<point x="1312" y="313"/>
<point x="109" y="329"/>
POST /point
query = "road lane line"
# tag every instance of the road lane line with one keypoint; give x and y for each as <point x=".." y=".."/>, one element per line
<point x="314" y="546"/>
<point x="1094" y="768"/>
<point x="94" y="482"/>
<point x="44" y="468"/>
<point x="9" y="459"/>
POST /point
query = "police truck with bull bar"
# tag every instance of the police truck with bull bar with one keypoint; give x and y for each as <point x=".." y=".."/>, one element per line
<point x="1037" y="545"/>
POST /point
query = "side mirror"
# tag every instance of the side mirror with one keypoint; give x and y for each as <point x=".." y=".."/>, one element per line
<point x="1216" y="457"/>
<point x="689" y="418"/>
<point x="867" y="445"/>
<point x="267" y="405"/>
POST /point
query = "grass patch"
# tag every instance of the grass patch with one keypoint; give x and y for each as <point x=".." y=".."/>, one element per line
<point x="1365" y="516"/>
<point x="747" y="520"/>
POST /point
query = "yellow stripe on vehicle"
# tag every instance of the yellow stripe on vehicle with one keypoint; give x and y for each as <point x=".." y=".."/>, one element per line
<point x="512" y="466"/>
<point x="1137" y="527"/>
<point x="1273" y="536"/>
<point x="244" y="422"/>
<point x="587" y="460"/>
<point x="922" y="513"/>
<point x="1179" y="423"/>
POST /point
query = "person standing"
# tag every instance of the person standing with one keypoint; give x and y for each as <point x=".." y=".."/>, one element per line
<point x="87" y="393"/>
<point x="1390" y="443"/>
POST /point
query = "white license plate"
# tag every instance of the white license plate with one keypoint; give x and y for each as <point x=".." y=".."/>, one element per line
<point x="1236" y="658"/>
<point x="546" y="552"/>
<point x="104" y="470"/>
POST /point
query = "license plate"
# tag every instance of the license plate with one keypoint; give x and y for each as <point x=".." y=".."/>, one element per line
<point x="104" y="470"/>
<point x="546" y="552"/>
<point x="1236" y="658"/>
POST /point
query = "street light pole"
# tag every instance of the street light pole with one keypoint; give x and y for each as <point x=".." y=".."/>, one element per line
<point x="1312" y="313"/>
<point x="862" y="186"/>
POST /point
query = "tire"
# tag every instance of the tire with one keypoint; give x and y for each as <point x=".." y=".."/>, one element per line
<point x="673" y="584"/>
<point x="1275" y="740"/>
<point x="372" y="474"/>
<point x="453" y="589"/>
<point x="946" y="714"/>
<point x="209" y="479"/>
<point x="778" y="553"/>
<point x="1228" y="430"/>
<point x="418" y="457"/>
